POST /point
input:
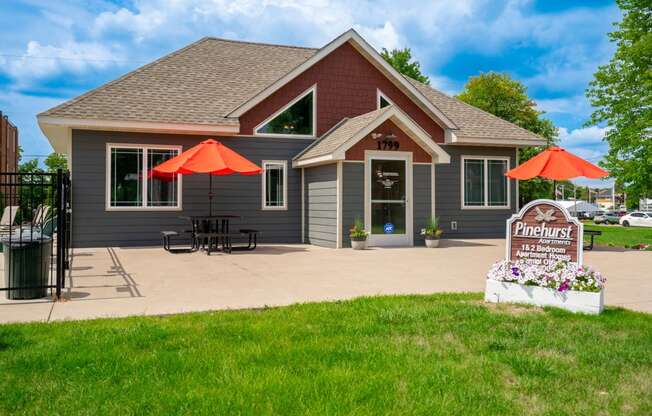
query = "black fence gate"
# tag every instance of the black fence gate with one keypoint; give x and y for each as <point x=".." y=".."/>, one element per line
<point x="34" y="233"/>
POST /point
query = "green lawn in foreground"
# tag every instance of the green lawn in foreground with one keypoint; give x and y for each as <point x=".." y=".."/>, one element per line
<point x="442" y="354"/>
<point x="619" y="236"/>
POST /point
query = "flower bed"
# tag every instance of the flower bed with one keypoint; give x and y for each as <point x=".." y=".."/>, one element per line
<point x="561" y="276"/>
<point x="565" y="285"/>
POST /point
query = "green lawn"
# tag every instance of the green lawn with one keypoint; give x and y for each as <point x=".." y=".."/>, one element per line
<point x="618" y="236"/>
<point x="442" y="354"/>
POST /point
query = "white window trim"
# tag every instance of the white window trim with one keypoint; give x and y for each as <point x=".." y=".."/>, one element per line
<point x="486" y="183"/>
<point x="143" y="207"/>
<point x="380" y="94"/>
<point x="313" y="90"/>
<point x="264" y="164"/>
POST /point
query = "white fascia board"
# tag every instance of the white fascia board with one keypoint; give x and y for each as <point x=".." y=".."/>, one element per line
<point x="313" y="161"/>
<point x="144" y="126"/>
<point x="452" y="138"/>
<point x="423" y="139"/>
<point x="353" y="37"/>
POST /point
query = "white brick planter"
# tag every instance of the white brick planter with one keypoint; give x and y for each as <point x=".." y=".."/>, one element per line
<point x="572" y="300"/>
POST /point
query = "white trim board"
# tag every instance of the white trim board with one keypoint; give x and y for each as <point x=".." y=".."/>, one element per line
<point x="485" y="183"/>
<point x="357" y="41"/>
<point x="312" y="90"/>
<point x="56" y="128"/>
<point x="398" y="117"/>
<point x="264" y="205"/>
<point x="143" y="207"/>
<point x="379" y="95"/>
<point x="406" y="239"/>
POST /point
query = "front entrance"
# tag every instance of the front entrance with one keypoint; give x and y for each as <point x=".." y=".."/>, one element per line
<point x="388" y="196"/>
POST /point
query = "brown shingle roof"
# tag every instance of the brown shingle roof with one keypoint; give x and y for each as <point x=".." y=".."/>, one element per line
<point x="203" y="82"/>
<point x="340" y="134"/>
<point x="199" y="84"/>
<point x="471" y="121"/>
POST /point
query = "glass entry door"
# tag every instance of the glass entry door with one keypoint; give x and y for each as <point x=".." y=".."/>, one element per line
<point x="389" y="206"/>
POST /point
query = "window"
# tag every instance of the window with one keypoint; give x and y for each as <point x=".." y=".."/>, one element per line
<point x="275" y="181"/>
<point x="484" y="184"/>
<point x="382" y="100"/>
<point x="131" y="182"/>
<point x="297" y="118"/>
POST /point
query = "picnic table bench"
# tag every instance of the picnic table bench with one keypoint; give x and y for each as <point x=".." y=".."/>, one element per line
<point x="592" y="234"/>
<point x="210" y="239"/>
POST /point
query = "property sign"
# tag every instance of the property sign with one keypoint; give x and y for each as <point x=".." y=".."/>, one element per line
<point x="544" y="232"/>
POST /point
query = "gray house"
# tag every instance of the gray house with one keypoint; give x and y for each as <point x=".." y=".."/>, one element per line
<point x="338" y="133"/>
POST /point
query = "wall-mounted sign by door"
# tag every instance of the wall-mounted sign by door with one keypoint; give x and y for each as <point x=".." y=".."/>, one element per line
<point x="544" y="232"/>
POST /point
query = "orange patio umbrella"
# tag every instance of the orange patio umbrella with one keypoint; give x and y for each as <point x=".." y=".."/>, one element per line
<point x="209" y="156"/>
<point x="557" y="164"/>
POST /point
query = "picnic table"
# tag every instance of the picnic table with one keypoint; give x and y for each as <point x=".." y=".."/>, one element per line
<point x="592" y="234"/>
<point x="212" y="231"/>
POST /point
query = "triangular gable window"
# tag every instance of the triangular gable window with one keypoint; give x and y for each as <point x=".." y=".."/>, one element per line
<point x="297" y="118"/>
<point x="383" y="101"/>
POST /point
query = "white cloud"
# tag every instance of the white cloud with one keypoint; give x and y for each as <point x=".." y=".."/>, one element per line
<point x="382" y="37"/>
<point x="577" y="104"/>
<point x="589" y="136"/>
<point x="47" y="61"/>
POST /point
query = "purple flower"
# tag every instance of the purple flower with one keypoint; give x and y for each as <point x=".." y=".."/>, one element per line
<point x="564" y="286"/>
<point x="515" y="271"/>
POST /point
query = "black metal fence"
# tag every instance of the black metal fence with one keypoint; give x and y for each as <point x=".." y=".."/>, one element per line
<point x="34" y="233"/>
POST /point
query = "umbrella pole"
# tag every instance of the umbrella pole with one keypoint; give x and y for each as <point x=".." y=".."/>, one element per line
<point x="554" y="190"/>
<point x="210" y="194"/>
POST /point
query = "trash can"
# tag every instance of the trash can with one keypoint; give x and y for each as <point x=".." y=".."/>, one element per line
<point x="27" y="264"/>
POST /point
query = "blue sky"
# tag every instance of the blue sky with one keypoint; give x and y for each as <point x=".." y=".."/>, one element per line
<point x="53" y="51"/>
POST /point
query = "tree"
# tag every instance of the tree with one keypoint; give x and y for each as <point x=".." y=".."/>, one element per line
<point x="621" y="91"/>
<point x="56" y="161"/>
<point x="507" y="98"/>
<point x="401" y="60"/>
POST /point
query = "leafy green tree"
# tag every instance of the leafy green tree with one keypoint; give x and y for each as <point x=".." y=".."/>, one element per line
<point x="622" y="94"/>
<point x="56" y="161"/>
<point x="507" y="98"/>
<point x="401" y="60"/>
<point x="40" y="191"/>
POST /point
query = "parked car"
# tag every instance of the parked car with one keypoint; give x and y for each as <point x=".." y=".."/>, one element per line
<point x="637" y="219"/>
<point x="608" y="217"/>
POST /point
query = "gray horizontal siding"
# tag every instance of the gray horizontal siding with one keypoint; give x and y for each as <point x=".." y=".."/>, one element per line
<point x="352" y="197"/>
<point x="471" y="223"/>
<point x="93" y="226"/>
<point x="422" y="200"/>
<point x="320" y="184"/>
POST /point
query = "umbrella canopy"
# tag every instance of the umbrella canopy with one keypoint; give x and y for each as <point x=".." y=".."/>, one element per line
<point x="557" y="164"/>
<point x="209" y="156"/>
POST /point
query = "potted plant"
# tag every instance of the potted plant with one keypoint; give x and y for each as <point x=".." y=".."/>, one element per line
<point x="358" y="235"/>
<point x="432" y="232"/>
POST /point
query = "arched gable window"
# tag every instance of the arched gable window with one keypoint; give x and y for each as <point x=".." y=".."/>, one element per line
<point x="295" y="119"/>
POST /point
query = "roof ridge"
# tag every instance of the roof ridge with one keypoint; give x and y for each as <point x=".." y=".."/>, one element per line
<point x="452" y="97"/>
<point x="129" y="74"/>
<point x="260" y="43"/>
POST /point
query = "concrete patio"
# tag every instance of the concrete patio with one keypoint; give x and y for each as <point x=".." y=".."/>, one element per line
<point x="117" y="282"/>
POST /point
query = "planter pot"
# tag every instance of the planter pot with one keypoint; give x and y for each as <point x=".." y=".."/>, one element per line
<point x="359" y="244"/>
<point x="432" y="242"/>
<point x="572" y="300"/>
